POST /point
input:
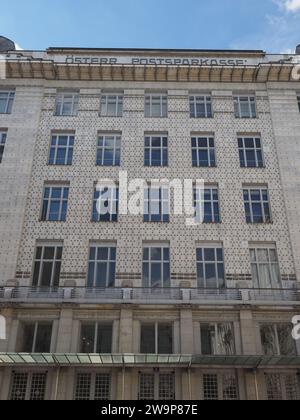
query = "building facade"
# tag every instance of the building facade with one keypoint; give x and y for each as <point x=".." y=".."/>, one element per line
<point x="127" y="307"/>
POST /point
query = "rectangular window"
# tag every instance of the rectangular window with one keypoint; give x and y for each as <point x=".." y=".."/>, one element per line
<point x="102" y="266"/>
<point x="106" y="204"/>
<point x="36" y="337"/>
<point x="157" y="338"/>
<point x="55" y="203"/>
<point x="251" y="153"/>
<point x="3" y="135"/>
<point x="6" y="101"/>
<point x="156" y="267"/>
<point x="156" y="204"/>
<point x="201" y="106"/>
<point x="210" y="268"/>
<point x="257" y="205"/>
<point x="245" y="107"/>
<point x="217" y="339"/>
<point x="96" y="338"/>
<point x="210" y="206"/>
<point x="156" y="150"/>
<point x="156" y="387"/>
<point x="265" y="268"/>
<point x="109" y="150"/>
<point x="47" y="266"/>
<point x="156" y="105"/>
<point x="28" y="386"/>
<point x="61" y="150"/>
<point x="277" y="340"/>
<point x="282" y="387"/>
<point x="298" y="99"/>
<point x="93" y="387"/>
<point x="112" y="105"/>
<point x="67" y="104"/>
<point x="220" y="387"/>
<point x="203" y="152"/>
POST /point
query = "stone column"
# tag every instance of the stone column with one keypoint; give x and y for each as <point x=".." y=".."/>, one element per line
<point x="186" y="331"/>
<point x="64" y="337"/>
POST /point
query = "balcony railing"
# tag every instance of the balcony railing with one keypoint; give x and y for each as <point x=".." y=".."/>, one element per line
<point x="148" y="295"/>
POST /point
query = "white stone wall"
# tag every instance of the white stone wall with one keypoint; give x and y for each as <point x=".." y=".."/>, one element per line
<point x="15" y="169"/>
<point x="130" y="231"/>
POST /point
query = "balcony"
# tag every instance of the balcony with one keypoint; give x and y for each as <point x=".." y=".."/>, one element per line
<point x="147" y="296"/>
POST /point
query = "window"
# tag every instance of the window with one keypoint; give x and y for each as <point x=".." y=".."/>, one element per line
<point x="265" y="268"/>
<point x="55" y="203"/>
<point x="109" y="150"/>
<point x="298" y="99"/>
<point x="156" y="105"/>
<point x="257" y="205"/>
<point x="157" y="387"/>
<point x="112" y="105"/>
<point x="245" y="107"/>
<point x="105" y="204"/>
<point x="93" y="386"/>
<point x="28" y="386"/>
<point x="210" y="268"/>
<point x="201" y="106"/>
<point x="157" y="338"/>
<point x="6" y="101"/>
<point x="277" y="340"/>
<point x="156" y="267"/>
<point x="47" y="266"/>
<point x="211" y="205"/>
<point x="96" y="338"/>
<point x="61" y="150"/>
<point x="282" y="387"/>
<point x="203" y="152"/>
<point x="156" y="150"/>
<point x="102" y="266"/>
<point x="217" y="339"/>
<point x="36" y="337"/>
<point x="251" y="154"/>
<point x="220" y="387"/>
<point x="3" y="135"/>
<point x="156" y="204"/>
<point x="67" y="104"/>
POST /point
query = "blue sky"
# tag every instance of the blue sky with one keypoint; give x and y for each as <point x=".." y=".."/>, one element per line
<point x="272" y="25"/>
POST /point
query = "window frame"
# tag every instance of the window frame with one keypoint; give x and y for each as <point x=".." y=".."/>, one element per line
<point x="156" y="389"/>
<point x="194" y="101"/>
<point x="164" y="150"/>
<point x="298" y="100"/>
<point x="97" y="327"/>
<point x="3" y="139"/>
<point x="215" y="213"/>
<point x="275" y="326"/>
<point x="163" y="204"/>
<point x="257" y="262"/>
<point x="11" y="94"/>
<point x="112" y="248"/>
<point x="36" y="325"/>
<point x="92" y="385"/>
<point x="283" y="384"/>
<point x="56" y="262"/>
<point x="255" y="149"/>
<point x="29" y="387"/>
<point x="216" y="263"/>
<point x="249" y="190"/>
<point x="47" y="202"/>
<point x="250" y="99"/>
<point x="117" y="148"/>
<point x="220" y="377"/>
<point x="113" y="203"/>
<point x="211" y="151"/>
<point x="119" y="105"/>
<point x="215" y="338"/>
<point x="69" y="149"/>
<point x="163" y="103"/>
<point x="157" y="326"/>
<point x="61" y="101"/>
<point x="165" y="283"/>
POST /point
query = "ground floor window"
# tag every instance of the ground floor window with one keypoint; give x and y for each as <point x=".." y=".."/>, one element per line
<point x="28" y="386"/>
<point x="220" y="386"/>
<point x="93" y="386"/>
<point x="282" y="387"/>
<point x="157" y="386"/>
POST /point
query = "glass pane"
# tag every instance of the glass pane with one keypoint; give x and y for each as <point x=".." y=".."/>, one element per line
<point x="28" y="336"/>
<point x="165" y="339"/>
<point x="104" y="339"/>
<point x="148" y="339"/>
<point x="43" y="338"/>
<point x="87" y="338"/>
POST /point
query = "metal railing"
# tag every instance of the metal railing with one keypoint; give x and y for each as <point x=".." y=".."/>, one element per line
<point x="147" y="295"/>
